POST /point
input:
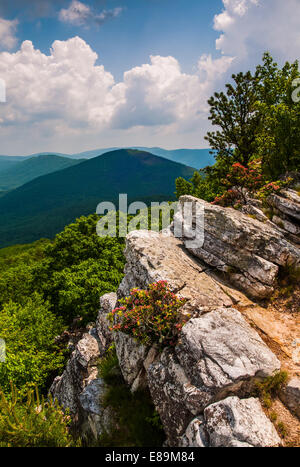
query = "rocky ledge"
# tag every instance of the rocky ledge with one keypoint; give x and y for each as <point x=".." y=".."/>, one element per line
<point x="202" y="388"/>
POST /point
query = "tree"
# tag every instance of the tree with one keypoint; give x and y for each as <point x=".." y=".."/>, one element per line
<point x="236" y="115"/>
<point x="278" y="138"/>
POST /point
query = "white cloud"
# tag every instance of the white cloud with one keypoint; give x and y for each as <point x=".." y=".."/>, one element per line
<point x="250" y="27"/>
<point x="80" y="14"/>
<point x="8" y="38"/>
<point x="66" y="91"/>
<point x="67" y="100"/>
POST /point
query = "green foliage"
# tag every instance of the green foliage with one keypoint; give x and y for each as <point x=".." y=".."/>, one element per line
<point x="37" y="210"/>
<point x="31" y="355"/>
<point x="108" y="366"/>
<point x="271" y="386"/>
<point x="43" y="287"/>
<point x="33" y="422"/>
<point x="150" y="316"/>
<point x="256" y="119"/>
<point x="236" y="116"/>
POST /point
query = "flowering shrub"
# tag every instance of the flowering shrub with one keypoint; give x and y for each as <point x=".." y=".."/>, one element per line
<point x="249" y="178"/>
<point x="229" y="198"/>
<point x="150" y="316"/>
<point x="272" y="188"/>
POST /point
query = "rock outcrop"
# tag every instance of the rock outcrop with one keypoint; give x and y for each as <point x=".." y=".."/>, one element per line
<point x="202" y="388"/>
<point x="233" y="422"/>
<point x="218" y="353"/>
<point x="79" y="389"/>
<point x="247" y="250"/>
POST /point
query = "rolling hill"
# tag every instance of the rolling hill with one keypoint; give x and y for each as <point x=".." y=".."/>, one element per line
<point x="42" y="207"/>
<point x="25" y="170"/>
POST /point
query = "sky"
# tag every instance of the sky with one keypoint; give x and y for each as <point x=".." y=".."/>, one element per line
<point x="80" y="75"/>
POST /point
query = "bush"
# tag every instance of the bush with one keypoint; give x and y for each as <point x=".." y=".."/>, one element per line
<point x="33" y="423"/>
<point x="271" y="386"/>
<point x="31" y="353"/>
<point x="150" y="316"/>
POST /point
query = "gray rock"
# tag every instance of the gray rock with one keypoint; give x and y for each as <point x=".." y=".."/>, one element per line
<point x="287" y="206"/>
<point x="94" y="419"/>
<point x="131" y="356"/>
<point x="79" y="371"/>
<point x="220" y="350"/>
<point x="249" y="251"/>
<point x="290" y="396"/>
<point x="239" y="423"/>
<point x="107" y="304"/>
<point x="175" y="398"/>
<point x="195" y="435"/>
<point x="218" y="354"/>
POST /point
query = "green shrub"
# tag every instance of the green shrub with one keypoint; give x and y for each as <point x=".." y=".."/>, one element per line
<point x="33" y="422"/>
<point x="108" y="368"/>
<point x="150" y="316"/>
<point x="271" y="386"/>
<point x="31" y="353"/>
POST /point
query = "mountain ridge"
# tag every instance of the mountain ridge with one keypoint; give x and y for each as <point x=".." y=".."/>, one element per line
<point x="42" y="207"/>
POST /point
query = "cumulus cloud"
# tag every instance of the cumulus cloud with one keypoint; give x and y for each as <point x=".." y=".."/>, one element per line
<point x="250" y="27"/>
<point x="68" y="87"/>
<point x="159" y="93"/>
<point x="66" y="96"/>
<point x="8" y="38"/>
<point x="81" y="14"/>
<point x="65" y="86"/>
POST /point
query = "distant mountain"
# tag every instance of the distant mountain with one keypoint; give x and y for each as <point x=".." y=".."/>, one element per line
<point x="198" y="158"/>
<point x="42" y="207"/>
<point x="24" y="171"/>
<point x="7" y="162"/>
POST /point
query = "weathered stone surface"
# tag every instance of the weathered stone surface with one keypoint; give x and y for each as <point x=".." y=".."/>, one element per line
<point x="107" y="304"/>
<point x="249" y="251"/>
<point x="79" y="371"/>
<point x="174" y="397"/>
<point x="290" y="396"/>
<point x="289" y="206"/>
<point x="152" y="257"/>
<point x="195" y="435"/>
<point x="218" y="354"/>
<point x="239" y="423"/>
<point x="219" y="350"/>
<point x="94" y="419"/>
<point x="131" y="356"/>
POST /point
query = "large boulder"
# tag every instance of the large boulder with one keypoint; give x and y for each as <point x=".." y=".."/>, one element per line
<point x="248" y="251"/>
<point x="219" y="350"/>
<point x="218" y="355"/>
<point x="232" y="422"/>
<point x="152" y="256"/>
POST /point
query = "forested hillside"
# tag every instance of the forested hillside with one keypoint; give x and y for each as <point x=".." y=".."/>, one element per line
<point x="42" y="208"/>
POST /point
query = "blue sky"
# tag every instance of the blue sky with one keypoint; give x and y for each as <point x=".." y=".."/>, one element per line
<point x="86" y="74"/>
<point x="181" y="28"/>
